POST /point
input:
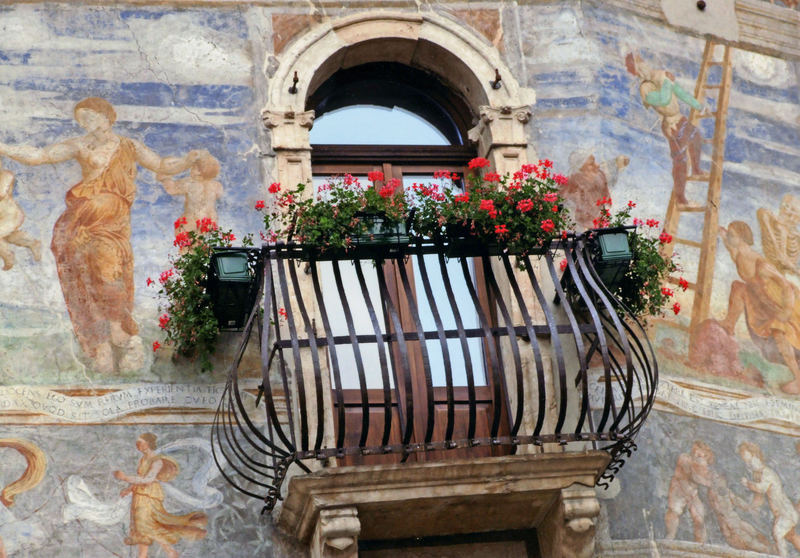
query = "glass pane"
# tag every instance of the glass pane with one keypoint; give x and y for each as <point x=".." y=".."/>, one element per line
<point x="469" y="317"/>
<point x="361" y="320"/>
<point x="374" y="125"/>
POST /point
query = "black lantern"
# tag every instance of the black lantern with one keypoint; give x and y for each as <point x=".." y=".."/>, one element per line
<point x="233" y="285"/>
<point x="611" y="256"/>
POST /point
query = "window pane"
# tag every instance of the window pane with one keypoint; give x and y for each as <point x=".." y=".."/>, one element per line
<point x="345" y="354"/>
<point x="469" y="317"/>
<point x="374" y="125"/>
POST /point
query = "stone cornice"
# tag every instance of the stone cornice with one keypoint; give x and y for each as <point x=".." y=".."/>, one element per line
<point x="763" y="27"/>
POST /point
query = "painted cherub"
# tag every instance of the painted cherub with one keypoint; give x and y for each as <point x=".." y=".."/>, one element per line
<point x="200" y="190"/>
<point x="11" y="218"/>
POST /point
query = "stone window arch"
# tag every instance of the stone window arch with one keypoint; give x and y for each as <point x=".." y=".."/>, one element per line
<point x="463" y="61"/>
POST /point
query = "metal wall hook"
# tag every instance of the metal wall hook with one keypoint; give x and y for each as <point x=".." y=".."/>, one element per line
<point x="293" y="88"/>
<point x="497" y="79"/>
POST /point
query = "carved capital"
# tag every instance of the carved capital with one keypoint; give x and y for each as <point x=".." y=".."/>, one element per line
<point x="569" y="528"/>
<point x="336" y="535"/>
<point x="289" y="128"/>
<point x="501" y="128"/>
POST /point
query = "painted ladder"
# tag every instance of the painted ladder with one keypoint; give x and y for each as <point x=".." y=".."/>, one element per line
<point x="707" y="246"/>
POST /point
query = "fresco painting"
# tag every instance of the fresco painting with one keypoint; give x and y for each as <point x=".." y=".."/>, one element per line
<point x="17" y="533"/>
<point x="660" y="91"/>
<point x="200" y="191"/>
<point x="176" y="503"/>
<point x="150" y="522"/>
<point x="11" y="218"/>
<point x="171" y="94"/>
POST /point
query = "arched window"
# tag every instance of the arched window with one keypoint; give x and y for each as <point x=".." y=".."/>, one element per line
<point x="404" y="122"/>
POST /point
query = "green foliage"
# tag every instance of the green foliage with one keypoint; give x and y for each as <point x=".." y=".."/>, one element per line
<point x="188" y="320"/>
<point x="522" y="212"/>
<point x="644" y="290"/>
<point x="332" y="218"/>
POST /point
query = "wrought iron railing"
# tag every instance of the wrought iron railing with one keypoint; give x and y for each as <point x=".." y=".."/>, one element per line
<point x="540" y="338"/>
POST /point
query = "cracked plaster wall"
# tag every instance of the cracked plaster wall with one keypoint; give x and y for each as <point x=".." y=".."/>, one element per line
<point x="196" y="78"/>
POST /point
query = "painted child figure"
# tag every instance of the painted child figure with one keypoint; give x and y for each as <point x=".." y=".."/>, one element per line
<point x="11" y="218"/>
<point x="200" y="190"/>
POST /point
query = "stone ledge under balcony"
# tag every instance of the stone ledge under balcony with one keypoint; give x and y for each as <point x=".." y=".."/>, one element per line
<point x="445" y="497"/>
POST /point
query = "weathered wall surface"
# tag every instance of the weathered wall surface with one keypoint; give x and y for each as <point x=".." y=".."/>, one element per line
<point x="195" y="78"/>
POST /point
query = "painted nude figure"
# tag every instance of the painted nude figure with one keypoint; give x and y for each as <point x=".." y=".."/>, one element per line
<point x="770" y="303"/>
<point x="780" y="238"/>
<point x="692" y="470"/>
<point x="661" y="92"/>
<point x="200" y="190"/>
<point x="765" y="484"/>
<point x="91" y="238"/>
<point x="150" y="522"/>
<point x="11" y="218"/>
<point x="588" y="182"/>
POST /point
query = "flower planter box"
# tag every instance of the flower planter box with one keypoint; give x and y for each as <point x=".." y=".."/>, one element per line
<point x="382" y="239"/>
<point x="233" y="285"/>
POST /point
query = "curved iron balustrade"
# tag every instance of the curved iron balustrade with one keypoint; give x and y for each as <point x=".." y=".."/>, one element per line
<point x="581" y="318"/>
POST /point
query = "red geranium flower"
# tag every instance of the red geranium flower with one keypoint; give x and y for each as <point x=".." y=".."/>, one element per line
<point x="156" y="346"/>
<point x="666" y="291"/>
<point x="478" y="162"/>
<point x="548" y="225"/>
<point x="149" y="281"/>
<point x="163" y="321"/>
<point x="182" y="240"/>
<point x="179" y="221"/>
<point x="683" y="283"/>
<point x="550" y="197"/>
<point x="676" y="307"/>
<point x="500" y="230"/>
<point x="652" y="223"/>
<point x="462" y="198"/>
<point x="375" y="176"/>
<point x="260" y="204"/>
<point x="665" y="238"/>
<point x="274" y="188"/>
<point x="563" y="265"/>
<point x="603" y="201"/>
<point x="491" y="177"/>
<point x="560" y="179"/>
<point x="525" y="205"/>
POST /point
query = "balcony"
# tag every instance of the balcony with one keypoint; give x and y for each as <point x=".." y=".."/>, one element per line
<point x="438" y="367"/>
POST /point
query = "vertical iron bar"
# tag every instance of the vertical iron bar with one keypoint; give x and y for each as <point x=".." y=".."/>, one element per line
<point x="583" y="359"/>
<point x="337" y="377"/>
<point x="351" y="330"/>
<point x="609" y="407"/>
<point x="623" y="338"/>
<point x="269" y="402"/>
<point x="494" y="361"/>
<point x="403" y="349"/>
<point x="448" y="369"/>
<point x="312" y="342"/>
<point x="526" y="317"/>
<point x="298" y="364"/>
<point x="387" y="390"/>
<point x="426" y="363"/>
<point x="462" y="336"/>
<point x="515" y="418"/>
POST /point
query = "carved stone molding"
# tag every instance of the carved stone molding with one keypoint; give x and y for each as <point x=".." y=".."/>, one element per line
<point x="289" y="128"/>
<point x="500" y="135"/>
<point x="440" y="498"/>
<point x="568" y="530"/>
<point x="336" y="533"/>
